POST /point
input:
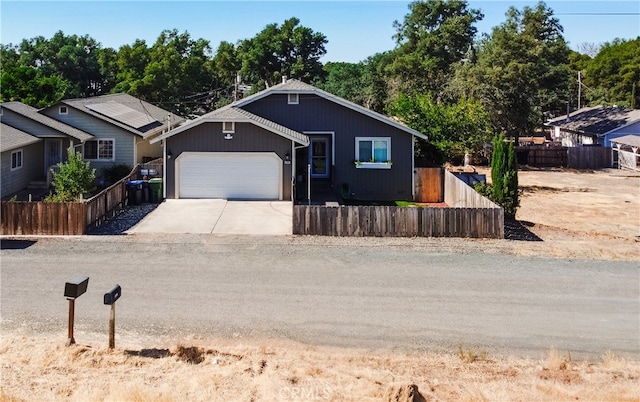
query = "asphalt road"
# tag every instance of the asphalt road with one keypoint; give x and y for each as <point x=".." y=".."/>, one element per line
<point x="367" y="293"/>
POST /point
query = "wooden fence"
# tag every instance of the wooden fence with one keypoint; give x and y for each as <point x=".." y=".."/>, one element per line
<point x="105" y="204"/>
<point x="571" y="157"/>
<point x="429" y="185"/>
<point x="542" y="156"/>
<point x="42" y="218"/>
<point x="589" y="157"/>
<point x="63" y="218"/>
<point x="470" y="215"/>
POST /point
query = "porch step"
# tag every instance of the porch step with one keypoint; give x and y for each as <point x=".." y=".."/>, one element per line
<point x="36" y="184"/>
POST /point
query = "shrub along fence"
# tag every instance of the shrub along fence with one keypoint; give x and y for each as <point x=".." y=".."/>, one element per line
<point x="63" y="218"/>
<point x="469" y="215"/>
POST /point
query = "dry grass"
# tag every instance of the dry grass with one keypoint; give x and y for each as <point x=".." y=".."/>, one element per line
<point x="42" y="368"/>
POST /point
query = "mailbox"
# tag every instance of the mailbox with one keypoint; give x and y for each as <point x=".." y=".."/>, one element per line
<point x="76" y="287"/>
<point x="112" y="295"/>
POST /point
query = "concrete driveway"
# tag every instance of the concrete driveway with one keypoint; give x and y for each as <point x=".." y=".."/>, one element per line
<point x="218" y="217"/>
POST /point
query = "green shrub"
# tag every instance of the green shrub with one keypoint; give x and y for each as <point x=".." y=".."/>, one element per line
<point x="504" y="177"/>
<point x="74" y="179"/>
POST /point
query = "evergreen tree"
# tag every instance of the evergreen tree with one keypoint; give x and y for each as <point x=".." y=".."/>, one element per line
<point x="504" y="176"/>
<point x="498" y="167"/>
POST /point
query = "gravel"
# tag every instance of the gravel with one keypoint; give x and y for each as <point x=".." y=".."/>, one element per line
<point x="124" y="220"/>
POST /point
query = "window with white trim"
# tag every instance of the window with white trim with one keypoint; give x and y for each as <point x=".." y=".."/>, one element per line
<point x="16" y="159"/>
<point x="99" y="150"/>
<point x="228" y="127"/>
<point x="373" y="149"/>
<point x="293" y="99"/>
<point x="63" y="110"/>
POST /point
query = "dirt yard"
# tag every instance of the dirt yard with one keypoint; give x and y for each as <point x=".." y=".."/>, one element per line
<point x="579" y="214"/>
<point x="592" y="215"/>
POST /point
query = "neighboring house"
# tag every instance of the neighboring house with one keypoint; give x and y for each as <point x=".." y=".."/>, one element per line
<point x="31" y="144"/>
<point x="594" y="125"/>
<point x="627" y="148"/>
<point x="121" y="125"/>
<point x="261" y="146"/>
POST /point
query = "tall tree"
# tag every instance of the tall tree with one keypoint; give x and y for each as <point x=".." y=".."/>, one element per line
<point x="521" y="70"/>
<point x="178" y="68"/>
<point x="614" y="73"/>
<point x="453" y="129"/>
<point x="431" y="38"/>
<point x="287" y="50"/>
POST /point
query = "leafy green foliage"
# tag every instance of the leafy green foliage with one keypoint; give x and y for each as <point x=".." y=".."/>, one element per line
<point x="453" y="129"/>
<point x="288" y="50"/>
<point x="521" y="71"/>
<point x="432" y="37"/>
<point x="74" y="179"/>
<point x="615" y="71"/>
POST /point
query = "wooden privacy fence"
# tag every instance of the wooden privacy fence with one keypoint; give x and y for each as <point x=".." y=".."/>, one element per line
<point x="589" y="157"/>
<point x="571" y="157"/>
<point x="429" y="185"/>
<point x="391" y="221"/>
<point x="42" y="218"/>
<point x="469" y="215"/>
<point x="105" y="204"/>
<point x="63" y="218"/>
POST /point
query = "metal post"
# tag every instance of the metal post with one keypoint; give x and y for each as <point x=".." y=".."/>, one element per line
<point x="309" y="183"/>
<point x="71" y="340"/>
<point x="112" y="327"/>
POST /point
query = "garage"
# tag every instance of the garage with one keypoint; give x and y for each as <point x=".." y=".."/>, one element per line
<point x="229" y="175"/>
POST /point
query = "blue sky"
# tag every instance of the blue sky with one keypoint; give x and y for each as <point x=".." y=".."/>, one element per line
<point x="355" y="29"/>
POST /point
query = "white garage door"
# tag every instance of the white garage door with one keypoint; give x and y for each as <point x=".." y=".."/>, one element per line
<point x="229" y="175"/>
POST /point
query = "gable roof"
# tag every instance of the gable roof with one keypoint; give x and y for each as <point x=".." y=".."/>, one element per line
<point x="12" y="138"/>
<point x="127" y="112"/>
<point x="32" y="113"/>
<point x="597" y="120"/>
<point x="232" y="114"/>
<point x="293" y="86"/>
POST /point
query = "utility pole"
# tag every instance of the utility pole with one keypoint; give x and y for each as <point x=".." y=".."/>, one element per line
<point x="579" y="87"/>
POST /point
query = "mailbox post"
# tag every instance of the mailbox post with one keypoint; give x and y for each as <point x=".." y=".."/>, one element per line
<point x="73" y="289"/>
<point x="110" y="299"/>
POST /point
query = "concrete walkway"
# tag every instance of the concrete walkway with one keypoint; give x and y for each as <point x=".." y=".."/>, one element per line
<point x="218" y="217"/>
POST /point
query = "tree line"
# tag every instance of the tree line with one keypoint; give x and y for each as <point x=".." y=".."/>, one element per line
<point x="440" y="78"/>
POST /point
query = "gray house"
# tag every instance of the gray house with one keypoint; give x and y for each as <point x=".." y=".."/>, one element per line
<point x="31" y="143"/>
<point x="596" y="125"/>
<point x="280" y="142"/>
<point x="121" y="125"/>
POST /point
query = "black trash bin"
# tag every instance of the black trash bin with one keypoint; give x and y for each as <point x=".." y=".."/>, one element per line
<point x="145" y="192"/>
<point x="134" y="192"/>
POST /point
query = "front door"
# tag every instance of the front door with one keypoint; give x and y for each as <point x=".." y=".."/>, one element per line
<point x="319" y="157"/>
<point x="52" y="153"/>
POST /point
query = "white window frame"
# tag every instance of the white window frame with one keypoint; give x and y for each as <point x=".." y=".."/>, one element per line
<point x="293" y="99"/>
<point x="98" y="141"/>
<point x="228" y="130"/>
<point x="63" y="110"/>
<point x="377" y="164"/>
<point x="21" y="161"/>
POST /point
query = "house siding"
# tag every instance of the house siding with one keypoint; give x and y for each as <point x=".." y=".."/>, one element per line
<point x="146" y="150"/>
<point x="32" y="168"/>
<point x="208" y="137"/>
<point x="124" y="148"/>
<point x="29" y="126"/>
<point x="316" y="114"/>
<point x="631" y="129"/>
